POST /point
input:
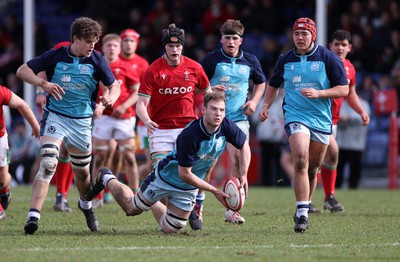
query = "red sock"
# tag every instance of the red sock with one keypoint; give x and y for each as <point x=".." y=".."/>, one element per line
<point x="68" y="180"/>
<point x="328" y="176"/>
<point x="61" y="175"/>
<point x="106" y="190"/>
<point x="4" y="190"/>
<point x="100" y="196"/>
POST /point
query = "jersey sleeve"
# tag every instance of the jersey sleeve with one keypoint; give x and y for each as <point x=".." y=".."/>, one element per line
<point x="206" y="64"/>
<point x="5" y="95"/>
<point x="147" y="83"/>
<point x="104" y="72"/>
<point x="336" y="73"/>
<point x="186" y="148"/>
<point x="277" y="76"/>
<point x="233" y="133"/>
<point x="258" y="75"/>
<point x="203" y="82"/>
<point x="42" y="62"/>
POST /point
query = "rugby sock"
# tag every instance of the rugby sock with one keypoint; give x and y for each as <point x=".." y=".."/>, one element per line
<point x="328" y="175"/>
<point x="68" y="181"/>
<point x="200" y="199"/>
<point x="4" y="190"/>
<point x="302" y="208"/>
<point x="62" y="172"/>
<point x="85" y="204"/>
<point x="106" y="178"/>
<point x="33" y="212"/>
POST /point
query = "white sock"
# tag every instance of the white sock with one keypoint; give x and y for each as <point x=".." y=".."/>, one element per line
<point x="85" y="204"/>
<point x="302" y="208"/>
<point x="107" y="178"/>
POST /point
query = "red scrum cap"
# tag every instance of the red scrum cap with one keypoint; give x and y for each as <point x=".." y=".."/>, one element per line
<point x="130" y="33"/>
<point x="305" y="23"/>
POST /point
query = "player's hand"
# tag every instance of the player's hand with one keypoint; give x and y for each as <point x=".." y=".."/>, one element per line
<point x="40" y="100"/>
<point x="151" y="126"/>
<point x="263" y="115"/>
<point x="35" y="131"/>
<point x="98" y="111"/>
<point x="106" y="100"/>
<point x="54" y="90"/>
<point x="251" y="107"/>
<point x="310" y="93"/>
<point x="220" y="195"/>
<point x="218" y="88"/>
<point x="365" y="119"/>
<point x="244" y="184"/>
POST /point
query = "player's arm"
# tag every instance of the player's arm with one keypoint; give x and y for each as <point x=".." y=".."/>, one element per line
<point x="185" y="173"/>
<point x="331" y="93"/>
<point x="252" y="103"/>
<point x="110" y="94"/>
<point x="26" y="74"/>
<point x="270" y="95"/>
<point x="17" y="103"/>
<point x="355" y="104"/>
<point x="244" y="160"/>
<point x="141" y="111"/>
<point x="132" y="99"/>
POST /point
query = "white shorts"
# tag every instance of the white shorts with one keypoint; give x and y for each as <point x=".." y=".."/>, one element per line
<point x="108" y="127"/>
<point x="75" y="132"/>
<point x="143" y="136"/>
<point x="297" y="127"/>
<point x="154" y="189"/>
<point x="4" y="151"/>
<point x="163" y="139"/>
<point x="245" y="127"/>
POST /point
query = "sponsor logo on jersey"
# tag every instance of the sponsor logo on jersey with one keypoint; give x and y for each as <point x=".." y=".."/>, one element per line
<point x="224" y="79"/>
<point x="296" y="79"/>
<point x="291" y="67"/>
<point x="163" y="76"/>
<point x="66" y="78"/>
<point x="175" y="90"/>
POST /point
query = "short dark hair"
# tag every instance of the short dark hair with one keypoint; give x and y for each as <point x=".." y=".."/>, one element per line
<point x="232" y="27"/>
<point x="215" y="96"/>
<point x="341" y="35"/>
<point x="85" y="28"/>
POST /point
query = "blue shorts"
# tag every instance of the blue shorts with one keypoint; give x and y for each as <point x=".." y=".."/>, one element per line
<point x="154" y="189"/>
<point x="74" y="132"/>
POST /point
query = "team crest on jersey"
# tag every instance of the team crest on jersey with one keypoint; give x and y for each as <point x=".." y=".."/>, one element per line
<point x="186" y="75"/>
<point x="84" y="69"/>
<point x="296" y="79"/>
<point x="51" y="129"/>
<point x="315" y="66"/>
<point x="66" y="78"/>
<point x="242" y="70"/>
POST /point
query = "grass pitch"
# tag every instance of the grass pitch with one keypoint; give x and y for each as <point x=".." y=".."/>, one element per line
<point x="369" y="230"/>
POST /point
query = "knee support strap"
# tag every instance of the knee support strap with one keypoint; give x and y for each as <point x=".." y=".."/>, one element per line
<point x="80" y="161"/>
<point x="49" y="154"/>
<point x="172" y="223"/>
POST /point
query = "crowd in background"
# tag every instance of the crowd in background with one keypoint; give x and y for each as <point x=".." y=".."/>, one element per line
<point x="374" y="25"/>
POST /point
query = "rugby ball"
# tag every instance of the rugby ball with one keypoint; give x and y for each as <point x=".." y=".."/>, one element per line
<point x="233" y="189"/>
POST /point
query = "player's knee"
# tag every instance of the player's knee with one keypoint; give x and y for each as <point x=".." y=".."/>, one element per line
<point x="80" y="161"/>
<point x="48" y="164"/>
<point x="171" y="223"/>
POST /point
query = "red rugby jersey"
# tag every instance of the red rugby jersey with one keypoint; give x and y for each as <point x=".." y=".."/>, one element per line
<point x="171" y="91"/>
<point x="5" y="98"/>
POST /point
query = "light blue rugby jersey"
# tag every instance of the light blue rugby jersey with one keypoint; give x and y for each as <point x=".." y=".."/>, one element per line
<point x="234" y="73"/>
<point x="78" y="76"/>
<point x="320" y="69"/>
<point x="198" y="149"/>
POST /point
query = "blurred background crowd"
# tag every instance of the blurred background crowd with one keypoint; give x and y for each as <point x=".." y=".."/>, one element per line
<point x="374" y="25"/>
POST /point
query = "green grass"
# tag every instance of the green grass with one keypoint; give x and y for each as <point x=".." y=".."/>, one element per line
<point x="369" y="230"/>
